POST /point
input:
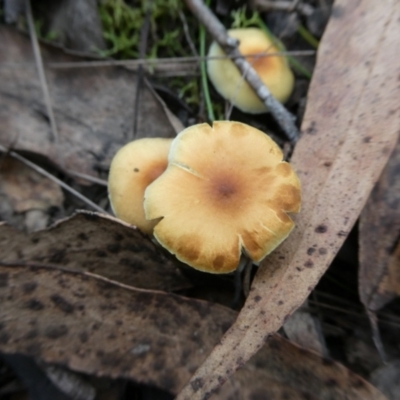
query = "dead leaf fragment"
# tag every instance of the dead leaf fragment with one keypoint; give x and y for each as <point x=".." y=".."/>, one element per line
<point x="26" y="189"/>
<point x="93" y="107"/>
<point x="349" y="130"/>
<point x="305" y="330"/>
<point x="379" y="233"/>
<point x="98" y="244"/>
<point x="77" y="24"/>
<point x="386" y="378"/>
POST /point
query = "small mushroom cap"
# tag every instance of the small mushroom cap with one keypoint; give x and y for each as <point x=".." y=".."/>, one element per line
<point x="226" y="189"/>
<point x="132" y="169"/>
<point x="274" y="71"/>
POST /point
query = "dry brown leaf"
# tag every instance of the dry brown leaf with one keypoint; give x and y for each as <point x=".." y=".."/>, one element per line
<point x="290" y="372"/>
<point x="95" y="243"/>
<point x="26" y="189"/>
<point x="93" y="107"/>
<point x="379" y="275"/>
<point x="349" y="130"/>
<point x="103" y="329"/>
<point x="100" y="328"/>
<point x="386" y="378"/>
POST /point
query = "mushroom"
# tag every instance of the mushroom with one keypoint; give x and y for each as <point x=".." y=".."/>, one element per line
<point x="132" y="169"/>
<point x="226" y="190"/>
<point x="274" y="71"/>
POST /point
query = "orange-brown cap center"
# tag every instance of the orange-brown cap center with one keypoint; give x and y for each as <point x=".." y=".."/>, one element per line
<point x="226" y="192"/>
<point x="259" y="60"/>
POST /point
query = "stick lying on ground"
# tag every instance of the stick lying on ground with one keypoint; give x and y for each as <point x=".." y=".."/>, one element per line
<point x="230" y="46"/>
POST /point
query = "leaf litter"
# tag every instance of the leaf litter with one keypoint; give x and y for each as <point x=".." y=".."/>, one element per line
<point x="26" y="189"/>
<point x="349" y="130"/>
<point x="93" y="108"/>
<point x="49" y="259"/>
<point x="100" y="328"/>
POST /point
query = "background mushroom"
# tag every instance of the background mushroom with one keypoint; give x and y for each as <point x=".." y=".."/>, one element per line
<point x="274" y="71"/>
<point x="132" y="169"/>
<point x="226" y="189"/>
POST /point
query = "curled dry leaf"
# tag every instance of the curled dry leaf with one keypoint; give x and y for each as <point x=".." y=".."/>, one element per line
<point x="98" y="244"/>
<point x="379" y="275"/>
<point x="93" y="107"/>
<point x="103" y="329"/>
<point x="349" y="130"/>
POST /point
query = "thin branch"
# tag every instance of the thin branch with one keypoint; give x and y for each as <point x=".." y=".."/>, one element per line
<point x="55" y="267"/>
<point x="144" y="33"/>
<point x="230" y="46"/>
<point x="187" y="33"/>
<point x="43" y="172"/>
<point x="88" y="178"/>
<point x="203" y="70"/>
<point x="40" y="68"/>
<point x="376" y="335"/>
<point x="158" y="61"/>
<point x="288" y="6"/>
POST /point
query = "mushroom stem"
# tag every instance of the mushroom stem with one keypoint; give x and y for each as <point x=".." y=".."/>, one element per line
<point x="230" y="46"/>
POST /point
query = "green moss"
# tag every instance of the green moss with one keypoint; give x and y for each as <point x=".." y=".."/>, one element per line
<point x="121" y="28"/>
<point x="122" y="24"/>
<point x="242" y="18"/>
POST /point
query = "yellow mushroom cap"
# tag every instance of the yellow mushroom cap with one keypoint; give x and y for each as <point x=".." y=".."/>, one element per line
<point x="274" y="71"/>
<point x="226" y="189"/>
<point x="132" y="169"/>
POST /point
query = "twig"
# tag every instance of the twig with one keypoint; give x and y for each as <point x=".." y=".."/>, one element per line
<point x="88" y="178"/>
<point x="288" y="6"/>
<point x="40" y="68"/>
<point x="230" y="46"/>
<point x="199" y="62"/>
<point x="376" y="335"/>
<point x="187" y="33"/>
<point x="204" y="80"/>
<point x="158" y="61"/>
<point x="144" y="33"/>
<point x="53" y="178"/>
<point x="55" y="267"/>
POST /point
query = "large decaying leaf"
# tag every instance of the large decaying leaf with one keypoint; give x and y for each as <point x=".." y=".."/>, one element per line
<point x="94" y="108"/>
<point x="349" y="130"/>
<point x="379" y="275"/>
<point x="300" y="374"/>
<point x="100" y="328"/>
<point x="105" y="329"/>
<point x="98" y="244"/>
